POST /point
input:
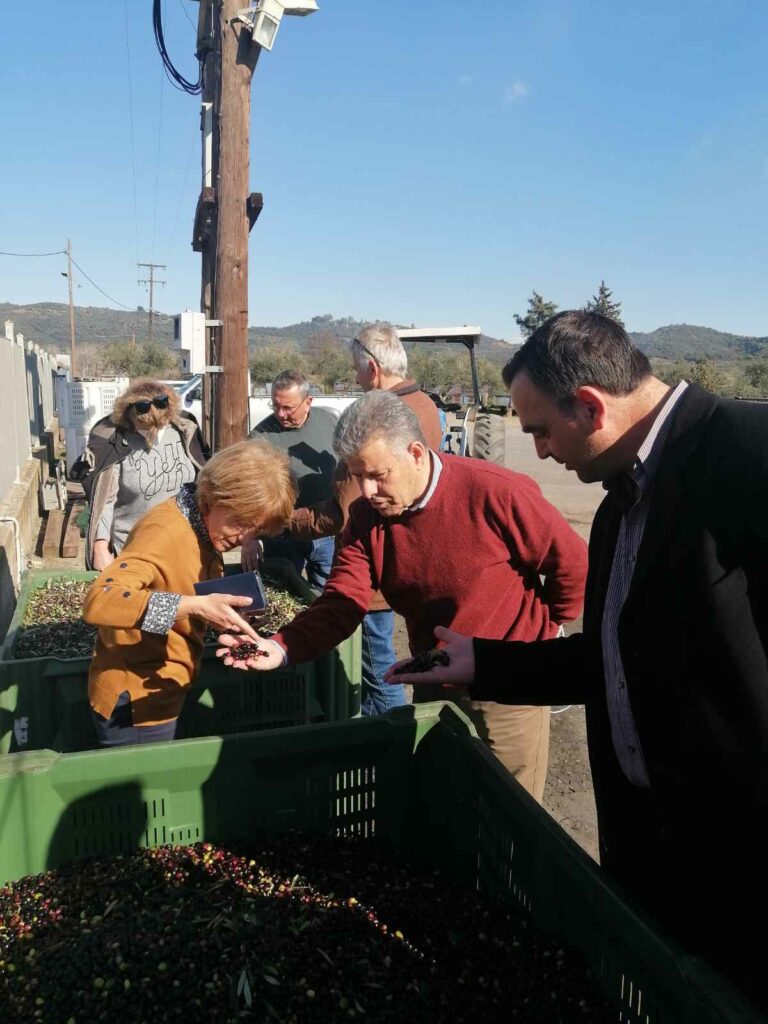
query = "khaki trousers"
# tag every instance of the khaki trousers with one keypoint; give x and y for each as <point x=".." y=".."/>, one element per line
<point x="518" y="734"/>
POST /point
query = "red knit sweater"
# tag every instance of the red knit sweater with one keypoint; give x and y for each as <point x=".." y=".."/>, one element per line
<point x="471" y="560"/>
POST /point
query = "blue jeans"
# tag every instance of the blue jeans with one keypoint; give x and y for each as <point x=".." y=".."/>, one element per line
<point x="119" y="731"/>
<point x="314" y="555"/>
<point x="378" y="654"/>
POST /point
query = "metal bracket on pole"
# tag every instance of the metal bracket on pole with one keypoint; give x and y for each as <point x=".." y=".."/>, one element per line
<point x="214" y="323"/>
<point x="213" y="369"/>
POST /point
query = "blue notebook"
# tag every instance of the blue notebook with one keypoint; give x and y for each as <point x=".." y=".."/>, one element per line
<point x="244" y="584"/>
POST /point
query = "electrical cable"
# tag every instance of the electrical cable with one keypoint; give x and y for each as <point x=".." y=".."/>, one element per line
<point x="186" y="15"/>
<point x="133" y="147"/>
<point x="177" y="80"/>
<point x="131" y="308"/>
<point x="195" y="136"/>
<point x="157" y="166"/>
<point x="58" y="252"/>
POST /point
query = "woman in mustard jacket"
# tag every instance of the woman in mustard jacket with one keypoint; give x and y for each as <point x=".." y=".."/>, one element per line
<point x="151" y="622"/>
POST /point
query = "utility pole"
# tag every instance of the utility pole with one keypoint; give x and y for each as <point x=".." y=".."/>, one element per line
<point x="72" y="340"/>
<point x="204" y="234"/>
<point x="231" y="113"/>
<point x="225" y="214"/>
<point x="151" y="282"/>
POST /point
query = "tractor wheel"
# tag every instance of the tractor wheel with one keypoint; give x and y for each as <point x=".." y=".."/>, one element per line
<point x="489" y="438"/>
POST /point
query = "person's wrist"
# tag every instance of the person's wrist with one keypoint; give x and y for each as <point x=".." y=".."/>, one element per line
<point x="280" y="648"/>
<point x="187" y="606"/>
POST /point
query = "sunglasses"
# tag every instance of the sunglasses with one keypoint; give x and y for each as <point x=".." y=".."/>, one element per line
<point x="144" y="405"/>
<point x="356" y="341"/>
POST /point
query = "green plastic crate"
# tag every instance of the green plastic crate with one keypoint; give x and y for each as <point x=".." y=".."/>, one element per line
<point x="338" y="674"/>
<point x="417" y="778"/>
<point x="44" y="701"/>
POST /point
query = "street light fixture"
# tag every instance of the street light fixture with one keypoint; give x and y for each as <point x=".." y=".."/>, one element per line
<point x="263" y="17"/>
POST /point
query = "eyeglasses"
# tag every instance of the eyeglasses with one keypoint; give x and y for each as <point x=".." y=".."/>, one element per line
<point x="285" y="409"/>
<point x="145" y="404"/>
<point x="356" y="341"/>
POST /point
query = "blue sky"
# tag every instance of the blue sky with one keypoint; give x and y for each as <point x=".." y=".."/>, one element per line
<point x="425" y="162"/>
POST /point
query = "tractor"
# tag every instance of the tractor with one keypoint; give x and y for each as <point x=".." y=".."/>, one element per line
<point x="479" y="433"/>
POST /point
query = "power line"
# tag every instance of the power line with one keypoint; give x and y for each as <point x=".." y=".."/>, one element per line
<point x="132" y="132"/>
<point x="177" y="80"/>
<point x="195" y="136"/>
<point x="186" y="15"/>
<point x="133" y="143"/>
<point x="58" y="252"/>
<point x="157" y="166"/>
<point x="131" y="308"/>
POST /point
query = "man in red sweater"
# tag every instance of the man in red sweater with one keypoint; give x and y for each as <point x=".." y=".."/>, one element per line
<point x="381" y="364"/>
<point x="449" y="541"/>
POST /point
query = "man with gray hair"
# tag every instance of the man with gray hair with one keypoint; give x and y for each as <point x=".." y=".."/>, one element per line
<point x="449" y="541"/>
<point x="381" y="364"/>
<point x="306" y="436"/>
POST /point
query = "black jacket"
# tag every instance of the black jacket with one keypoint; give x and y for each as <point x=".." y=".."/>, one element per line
<point x="693" y="635"/>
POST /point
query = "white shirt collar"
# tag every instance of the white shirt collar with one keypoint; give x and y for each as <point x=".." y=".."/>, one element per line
<point x="436" y="468"/>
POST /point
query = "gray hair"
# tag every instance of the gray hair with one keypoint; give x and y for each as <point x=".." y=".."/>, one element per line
<point x="382" y="342"/>
<point x="291" y="379"/>
<point x="376" y="414"/>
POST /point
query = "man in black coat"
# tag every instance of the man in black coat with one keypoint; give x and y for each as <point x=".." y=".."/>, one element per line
<point x="672" y="664"/>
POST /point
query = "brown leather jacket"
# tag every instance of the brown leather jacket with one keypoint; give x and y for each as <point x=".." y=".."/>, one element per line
<point x="328" y="518"/>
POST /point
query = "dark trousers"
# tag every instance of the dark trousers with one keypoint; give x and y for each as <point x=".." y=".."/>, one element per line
<point x="119" y="731"/>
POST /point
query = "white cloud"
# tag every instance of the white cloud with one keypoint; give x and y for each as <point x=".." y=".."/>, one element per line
<point x="516" y="91"/>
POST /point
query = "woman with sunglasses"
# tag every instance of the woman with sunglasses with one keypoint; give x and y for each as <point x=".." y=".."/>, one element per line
<point x="139" y="455"/>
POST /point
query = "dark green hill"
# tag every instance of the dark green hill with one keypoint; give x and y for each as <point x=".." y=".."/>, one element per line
<point x="689" y="343"/>
<point x="48" y="324"/>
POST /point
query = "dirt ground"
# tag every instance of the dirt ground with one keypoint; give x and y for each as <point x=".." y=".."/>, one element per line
<point x="568" y="794"/>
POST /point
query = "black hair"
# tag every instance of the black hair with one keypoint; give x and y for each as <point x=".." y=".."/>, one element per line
<point x="576" y="348"/>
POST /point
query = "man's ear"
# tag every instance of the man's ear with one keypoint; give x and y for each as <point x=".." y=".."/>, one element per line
<point x="418" y="451"/>
<point x="591" y="404"/>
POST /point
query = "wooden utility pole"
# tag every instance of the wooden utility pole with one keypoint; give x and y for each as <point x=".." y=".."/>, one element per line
<point x="204" y="235"/>
<point x="151" y="282"/>
<point x="231" y="112"/>
<point x="225" y="214"/>
<point x="72" y="340"/>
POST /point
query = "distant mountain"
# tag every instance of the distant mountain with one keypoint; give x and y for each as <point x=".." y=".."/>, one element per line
<point x="688" y="343"/>
<point x="47" y="323"/>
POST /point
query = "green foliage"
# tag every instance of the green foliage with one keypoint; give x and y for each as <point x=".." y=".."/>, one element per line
<point x="706" y="375"/>
<point x="756" y="375"/>
<point x="269" y="360"/>
<point x="603" y="303"/>
<point x="330" y="359"/>
<point x="539" y="310"/>
<point x="489" y="376"/>
<point x="671" y="373"/>
<point x="150" y="359"/>
<point x="735" y="378"/>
